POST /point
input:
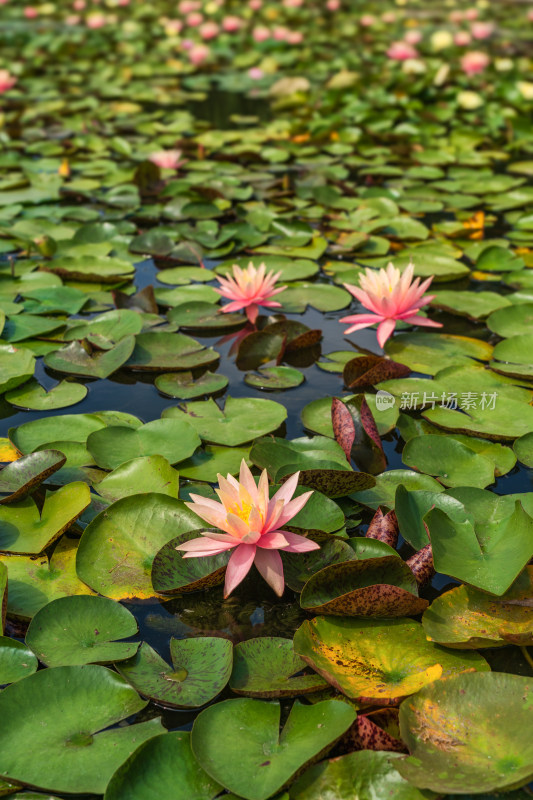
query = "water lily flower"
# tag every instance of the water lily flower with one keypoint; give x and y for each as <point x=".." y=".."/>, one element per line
<point x="187" y="6"/>
<point x="231" y="24"/>
<point x="367" y="20"/>
<point x="255" y="5"/>
<point x="413" y="37"/>
<point x="96" y="21"/>
<point x="401" y="51"/>
<point x="7" y="81"/>
<point x="30" y="12"/>
<point x="390" y="297"/>
<point x="194" y="19"/>
<point x="471" y="13"/>
<point x="462" y="39"/>
<point x="260" y="33"/>
<point x="250" y="288"/>
<point x="333" y="5"/>
<point x="209" y="30"/>
<point x="252" y="527"/>
<point x="256" y="73"/>
<point x="482" y="30"/>
<point x="167" y="159"/>
<point x="474" y="62"/>
<point x="441" y="40"/>
<point x="198" y="54"/>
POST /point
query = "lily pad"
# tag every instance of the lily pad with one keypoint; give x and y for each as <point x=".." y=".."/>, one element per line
<point x="16" y="661"/>
<point x="377" y="662"/>
<point x="200" y="669"/>
<point x="117" y="548"/>
<point x="169" y="352"/>
<point x="513" y="321"/>
<point x="76" y="752"/>
<point x="71" y="631"/>
<point x="268" y="667"/>
<point x="523" y="448"/>
<point x="204" y="316"/>
<point x="174" y="574"/>
<point x="465" y="617"/>
<point x="372" y="587"/>
<point x="262" y="760"/>
<point x="242" y="419"/>
<point x="112" y="325"/>
<point x="143" y="474"/>
<point x="183" y="385"/>
<point x="35" y="397"/>
<point x="384" y="492"/>
<point x="174" y="439"/>
<point x="321" y="296"/>
<point x="299" y="567"/>
<point x="431" y="352"/>
<point x="211" y="460"/>
<point x="25" y="530"/>
<point x="513" y="356"/>
<point x="452" y="462"/>
<point x="78" y="358"/>
<point x="74" y="428"/>
<point x="16" y="366"/>
<point x="163" y="768"/>
<point x="274" y="378"/>
<point x="20" y="477"/>
<point x="455" y="745"/>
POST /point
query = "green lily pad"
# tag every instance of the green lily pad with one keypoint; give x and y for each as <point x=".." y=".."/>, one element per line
<point x="143" y="474"/>
<point x="273" y="378"/>
<point x="204" y="316"/>
<point x="299" y="567"/>
<point x="291" y="269"/>
<point x="322" y="296"/>
<point x="384" y="492"/>
<point x="174" y="574"/>
<point x="71" y="631"/>
<point x="488" y="556"/>
<point x="523" y="448"/>
<point x="431" y="352"/>
<point x="77" y="359"/>
<point x="262" y="760"/>
<point x="455" y="745"/>
<point x="91" y="269"/>
<point x="163" y="768"/>
<point x="465" y="617"/>
<point x="507" y="419"/>
<point x="356" y="776"/>
<point x="26" y="530"/>
<point x="76" y="752"/>
<point x="117" y="548"/>
<point x="20" y="477"/>
<point x="268" y="667"/>
<point x="112" y="325"/>
<point x="54" y="300"/>
<point x="513" y="321"/>
<point x="28" y="326"/>
<point x="73" y="427"/>
<point x="174" y="439"/>
<point x="16" y="366"/>
<point x="183" y="385"/>
<point x="242" y="419"/>
<point x="210" y="460"/>
<point x="200" y="669"/>
<point x="452" y="462"/>
<point x="35" y="397"/>
<point x="498" y="259"/>
<point x="316" y="415"/>
<point x="372" y="587"/>
<point x="474" y="305"/>
<point x="34" y="582"/>
<point x="169" y="352"/>
<point x="513" y="356"/>
<point x="3" y="596"/>
<point x="16" y="661"/>
<point x="377" y="661"/>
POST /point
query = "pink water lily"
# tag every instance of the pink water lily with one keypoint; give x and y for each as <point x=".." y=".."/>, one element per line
<point x="251" y="525"/>
<point x="167" y="159"/>
<point x="390" y="297"/>
<point x="7" y="81"/>
<point x="250" y="288"/>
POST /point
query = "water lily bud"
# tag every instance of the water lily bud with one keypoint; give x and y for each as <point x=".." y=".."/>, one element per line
<point x="469" y="100"/>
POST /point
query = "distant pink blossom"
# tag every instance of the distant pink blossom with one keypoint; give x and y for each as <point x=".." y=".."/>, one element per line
<point x="482" y="30"/>
<point x="30" y="12"/>
<point x="251" y="525"/>
<point x="293" y="3"/>
<point x="95" y="21"/>
<point x="198" y="54"/>
<point x="7" y="81"/>
<point x="78" y="5"/>
<point x="471" y="13"/>
<point x="123" y="2"/>
<point x="294" y="37"/>
<point x="456" y="16"/>
<point x="187" y="44"/>
<point x="530" y="15"/>
<point x="260" y="33"/>
<point x="3" y="2"/>
<point x="474" y="62"/>
<point x="389" y="17"/>
<point x="367" y="20"/>
<point x="255" y="73"/>
<point x="462" y="39"/>
<point x="280" y="33"/>
<point x="209" y="30"/>
<point x="174" y="25"/>
<point x="255" y="5"/>
<point x="333" y="5"/>
<point x="413" y="37"/>
<point x="194" y="19"/>
<point x="187" y="6"/>
<point x="248" y="289"/>
<point x="167" y="159"/>
<point x="231" y="24"/>
<point x="391" y="297"/>
<point x="72" y="19"/>
<point x="401" y="51"/>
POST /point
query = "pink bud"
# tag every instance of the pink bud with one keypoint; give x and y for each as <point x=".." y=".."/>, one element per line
<point x="78" y="5"/>
<point x="255" y="5"/>
<point x="413" y="37"/>
<point x="30" y="12"/>
<point x="333" y="5"/>
<point x="294" y="37"/>
<point x="474" y="62"/>
<point x="462" y="38"/>
<point x="367" y="20"/>
<point x="231" y="24"/>
<point x="209" y="30"/>
<point x="482" y="30"/>
<point x="198" y="54"/>
<point x="7" y="81"/>
<point x="194" y="19"/>
<point x="255" y="73"/>
<point x="280" y="33"/>
<point x="260" y="33"/>
<point x="471" y="13"/>
<point x="401" y="51"/>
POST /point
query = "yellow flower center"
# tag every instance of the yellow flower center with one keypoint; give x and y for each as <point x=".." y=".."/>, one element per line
<point x="243" y="512"/>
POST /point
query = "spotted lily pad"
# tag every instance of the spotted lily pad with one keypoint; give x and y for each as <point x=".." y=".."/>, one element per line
<point x="71" y="631"/>
<point x="184" y="386"/>
<point x="76" y="752"/>
<point x="465" y="617"/>
<point x="35" y="397"/>
<point x="372" y="587"/>
<point x="299" y="567"/>
<point x="174" y="439"/>
<point x="200" y="670"/>
<point x="117" y="548"/>
<point x="22" y="476"/>
<point x="174" y="574"/>
<point x="377" y="662"/>
<point x="268" y="667"/>
<point x="262" y="760"/>
<point x="24" y="529"/>
<point x="16" y="661"/>
<point x="455" y="745"/>
<point x="163" y="768"/>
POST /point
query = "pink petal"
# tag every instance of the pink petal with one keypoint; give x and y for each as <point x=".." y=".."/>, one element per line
<point x="238" y="567"/>
<point x="252" y="312"/>
<point x="210" y="515"/>
<point x="287" y="490"/>
<point x="424" y="321"/>
<point x="299" y="544"/>
<point x="270" y="565"/>
<point x="272" y="541"/>
<point x="204" y="547"/>
<point x="385" y="330"/>
<point x="293" y="508"/>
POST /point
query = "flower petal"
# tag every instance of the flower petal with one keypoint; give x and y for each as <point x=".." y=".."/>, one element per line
<point x="270" y="565"/>
<point x="299" y="544"/>
<point x="272" y="541"/>
<point x="238" y="567"/>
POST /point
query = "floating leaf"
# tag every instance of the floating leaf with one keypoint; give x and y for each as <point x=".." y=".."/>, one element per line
<point x="35" y="397"/>
<point x="200" y="670"/>
<point x="74" y="428"/>
<point x="174" y="574"/>
<point x="268" y="667"/>
<point x="143" y="474"/>
<point x="261" y="760"/>
<point x="204" y="316"/>
<point x="453" y="462"/>
<point x="78" y="358"/>
<point x="183" y="385"/>
<point x="71" y="631"/>
<point x="76" y="752"/>
<point x="16" y="366"/>
<point x="273" y="378"/>
<point x="455" y="745"/>
<point x="209" y="461"/>
<point x="20" y="477"/>
<point x="523" y="448"/>
<point x="431" y="352"/>
<point x="166" y="352"/>
<point x="174" y="439"/>
<point x="375" y="661"/>
<point x="16" y="662"/>
<point x="512" y="321"/>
